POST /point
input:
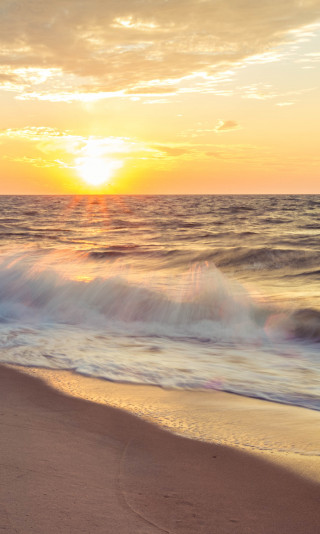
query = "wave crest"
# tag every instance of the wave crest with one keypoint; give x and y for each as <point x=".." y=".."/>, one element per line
<point x="203" y="303"/>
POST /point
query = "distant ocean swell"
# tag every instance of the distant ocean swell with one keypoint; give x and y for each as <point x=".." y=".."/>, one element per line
<point x="242" y="257"/>
<point x="293" y="262"/>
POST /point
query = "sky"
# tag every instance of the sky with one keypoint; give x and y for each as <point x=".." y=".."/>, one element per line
<point x="159" y="96"/>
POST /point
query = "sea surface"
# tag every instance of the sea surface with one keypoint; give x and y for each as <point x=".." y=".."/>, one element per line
<point x="183" y="292"/>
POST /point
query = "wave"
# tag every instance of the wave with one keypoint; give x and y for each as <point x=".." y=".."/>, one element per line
<point x="243" y="258"/>
<point x="251" y="258"/>
<point x="199" y="330"/>
<point x="265" y="258"/>
<point x="202" y="304"/>
<point x="311" y="226"/>
<point x="30" y="213"/>
<point x="276" y="220"/>
<point x="28" y="291"/>
<point x="304" y="274"/>
<point x="237" y="209"/>
<point x="305" y="324"/>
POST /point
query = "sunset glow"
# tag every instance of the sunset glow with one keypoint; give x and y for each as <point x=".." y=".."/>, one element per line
<point x="212" y="98"/>
<point x="159" y="253"/>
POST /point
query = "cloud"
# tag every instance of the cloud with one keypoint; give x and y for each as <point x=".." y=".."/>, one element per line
<point x="49" y="147"/>
<point x="258" y="91"/>
<point x="261" y="91"/>
<point x="152" y="90"/>
<point x="285" y="104"/>
<point x="225" y="126"/>
<point x="37" y="162"/>
<point x="310" y="61"/>
<point x="222" y="126"/>
<point x="172" y="151"/>
<point x="101" y="47"/>
<point x="240" y="152"/>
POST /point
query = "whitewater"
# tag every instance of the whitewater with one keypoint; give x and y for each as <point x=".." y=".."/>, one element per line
<point x="183" y="292"/>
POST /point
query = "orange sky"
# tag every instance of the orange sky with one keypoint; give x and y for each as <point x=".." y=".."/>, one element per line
<point x="200" y="96"/>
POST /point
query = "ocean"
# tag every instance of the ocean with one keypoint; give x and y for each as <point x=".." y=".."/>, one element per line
<point x="182" y="292"/>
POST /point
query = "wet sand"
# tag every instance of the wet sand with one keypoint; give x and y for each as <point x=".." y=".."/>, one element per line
<point x="71" y="465"/>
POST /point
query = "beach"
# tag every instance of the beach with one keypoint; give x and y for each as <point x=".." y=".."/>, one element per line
<point x="159" y="363"/>
<point x="73" y="465"/>
<point x="159" y="267"/>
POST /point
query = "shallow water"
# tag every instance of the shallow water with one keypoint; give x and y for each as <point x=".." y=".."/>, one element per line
<point x="215" y="292"/>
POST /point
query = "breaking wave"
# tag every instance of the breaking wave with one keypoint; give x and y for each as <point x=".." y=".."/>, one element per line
<point x="202" y="303"/>
<point x="131" y="289"/>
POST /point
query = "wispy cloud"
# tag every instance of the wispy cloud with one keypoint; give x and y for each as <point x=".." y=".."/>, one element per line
<point x="225" y="126"/>
<point x="260" y="91"/>
<point x="310" y="60"/>
<point x="202" y="130"/>
<point x="137" y="46"/>
<point x="49" y="147"/>
<point x="284" y="104"/>
<point x="172" y="151"/>
<point x="44" y="147"/>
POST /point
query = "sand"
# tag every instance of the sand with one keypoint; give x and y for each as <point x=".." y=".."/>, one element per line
<point x="70" y="465"/>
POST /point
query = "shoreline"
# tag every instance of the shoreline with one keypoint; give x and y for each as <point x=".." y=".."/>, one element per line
<point x="212" y="416"/>
<point x="74" y="465"/>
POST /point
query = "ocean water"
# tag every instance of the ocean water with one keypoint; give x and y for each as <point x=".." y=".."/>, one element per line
<point x="184" y="292"/>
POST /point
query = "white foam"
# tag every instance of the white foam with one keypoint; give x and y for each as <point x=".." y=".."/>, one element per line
<point x="201" y="330"/>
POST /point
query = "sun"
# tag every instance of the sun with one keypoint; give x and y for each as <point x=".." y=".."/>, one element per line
<point x="97" y="170"/>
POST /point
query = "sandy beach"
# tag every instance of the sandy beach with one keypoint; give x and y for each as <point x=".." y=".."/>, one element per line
<point x="159" y="267"/>
<point x="70" y="465"/>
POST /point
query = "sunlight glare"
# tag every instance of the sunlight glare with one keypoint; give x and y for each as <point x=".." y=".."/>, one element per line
<point x="95" y="170"/>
